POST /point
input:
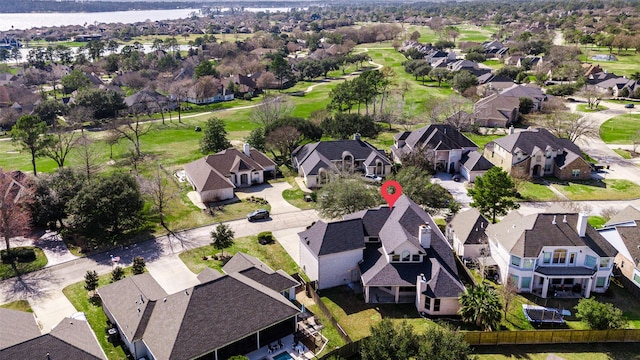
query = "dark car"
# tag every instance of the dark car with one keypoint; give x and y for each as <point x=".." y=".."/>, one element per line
<point x="629" y="106"/>
<point x="259" y="214"/>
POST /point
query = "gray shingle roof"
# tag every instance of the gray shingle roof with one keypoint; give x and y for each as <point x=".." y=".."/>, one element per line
<point x="332" y="151"/>
<point x="474" y="161"/>
<point x="335" y="237"/>
<point x="255" y="269"/>
<point x="372" y="219"/>
<point x="539" y="138"/>
<point x="439" y="137"/>
<point x="16" y="327"/>
<point x="526" y="235"/>
<point x="628" y="214"/>
<point x="469" y="226"/>
<point x="70" y="339"/>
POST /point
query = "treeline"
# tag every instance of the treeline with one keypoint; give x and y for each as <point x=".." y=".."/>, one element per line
<point x="90" y="6"/>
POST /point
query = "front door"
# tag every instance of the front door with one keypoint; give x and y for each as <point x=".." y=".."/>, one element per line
<point x="244" y="179"/>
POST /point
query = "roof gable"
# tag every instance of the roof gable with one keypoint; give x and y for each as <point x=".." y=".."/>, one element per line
<point x="334" y="237"/>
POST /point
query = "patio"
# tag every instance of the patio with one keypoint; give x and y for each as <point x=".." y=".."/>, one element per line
<point x="275" y="351"/>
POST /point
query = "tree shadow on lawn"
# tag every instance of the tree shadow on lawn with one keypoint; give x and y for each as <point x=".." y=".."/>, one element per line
<point x="352" y="304"/>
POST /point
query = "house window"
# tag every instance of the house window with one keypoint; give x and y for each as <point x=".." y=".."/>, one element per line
<point x="575" y="172"/>
<point x="526" y="283"/>
<point x="547" y="167"/>
<point x="374" y="239"/>
<point x="528" y="263"/>
<point x="516" y="279"/>
<point x="636" y="278"/>
<point x="538" y="158"/>
<point x="556" y="281"/>
<point x="559" y="256"/>
<point x="415" y="258"/>
<point x="546" y="258"/>
<point x="572" y="258"/>
<point x="604" y="263"/>
<point x="515" y="261"/>
<point x="436" y="305"/>
<point x="395" y="257"/>
<point x="600" y="281"/>
<point x="427" y="303"/>
<point x="406" y="255"/>
<point x="589" y="261"/>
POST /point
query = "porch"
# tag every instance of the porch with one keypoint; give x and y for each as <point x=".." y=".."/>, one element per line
<point x="290" y="345"/>
<point x="563" y="282"/>
<point x="384" y="295"/>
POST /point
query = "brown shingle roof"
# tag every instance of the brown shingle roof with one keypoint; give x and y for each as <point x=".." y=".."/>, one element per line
<point x="16" y="327"/>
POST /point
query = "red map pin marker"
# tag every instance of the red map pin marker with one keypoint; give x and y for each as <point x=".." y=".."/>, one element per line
<point x="395" y="193"/>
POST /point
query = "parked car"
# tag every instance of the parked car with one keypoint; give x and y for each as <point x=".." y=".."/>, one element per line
<point x="259" y="214"/>
<point x="629" y="106"/>
<point x="373" y="178"/>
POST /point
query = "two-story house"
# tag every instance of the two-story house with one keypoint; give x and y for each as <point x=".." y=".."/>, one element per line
<point x="315" y="162"/>
<point x="551" y="254"/>
<point x="537" y="153"/>
<point x="623" y="232"/>
<point x="397" y="255"/>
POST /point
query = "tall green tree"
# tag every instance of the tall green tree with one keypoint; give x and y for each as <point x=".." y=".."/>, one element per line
<point x="281" y="69"/>
<point x="416" y="184"/>
<point x="222" y="237"/>
<point x="105" y="104"/>
<point x="346" y="195"/>
<point x="390" y="342"/>
<point x="463" y="80"/>
<point x="215" y="137"/>
<point x="480" y="305"/>
<point x="108" y="208"/>
<point x="31" y="134"/>
<point x="440" y="343"/>
<point x="52" y="193"/>
<point x="75" y="80"/>
<point x="91" y="280"/>
<point x="492" y="193"/>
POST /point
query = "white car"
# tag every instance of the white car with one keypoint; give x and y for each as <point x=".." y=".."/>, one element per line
<point x="373" y="178"/>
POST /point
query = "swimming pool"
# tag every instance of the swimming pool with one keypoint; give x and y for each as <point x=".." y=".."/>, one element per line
<point x="283" y="356"/>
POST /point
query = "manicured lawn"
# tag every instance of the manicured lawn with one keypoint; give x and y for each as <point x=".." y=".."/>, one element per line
<point x="92" y="308"/>
<point x="535" y="192"/>
<point x="620" y="129"/>
<point x="333" y="337"/>
<point x="625" y="154"/>
<point x="585" y="108"/>
<point x="481" y="140"/>
<point x="20" y="305"/>
<point x="272" y="254"/>
<point x="494" y="64"/>
<point x="610" y="189"/>
<point x="356" y="317"/>
<point x="295" y="196"/>
<point x="7" y="271"/>
<point x="626" y="64"/>
<point x="596" y="221"/>
<point x="613" y="351"/>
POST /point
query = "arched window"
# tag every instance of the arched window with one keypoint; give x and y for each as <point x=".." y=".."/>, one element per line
<point x="347" y="162"/>
<point x="406" y="256"/>
<point x="379" y="168"/>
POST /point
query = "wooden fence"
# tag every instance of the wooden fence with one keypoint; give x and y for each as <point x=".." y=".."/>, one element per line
<point x="628" y="285"/>
<point x="475" y="338"/>
<point x="310" y="291"/>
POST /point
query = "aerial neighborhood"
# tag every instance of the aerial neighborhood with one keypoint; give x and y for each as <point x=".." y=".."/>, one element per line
<point x="438" y="180"/>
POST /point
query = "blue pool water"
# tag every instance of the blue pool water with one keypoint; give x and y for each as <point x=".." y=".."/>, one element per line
<point x="283" y="356"/>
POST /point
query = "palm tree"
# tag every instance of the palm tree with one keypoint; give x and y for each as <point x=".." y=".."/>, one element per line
<point x="481" y="306"/>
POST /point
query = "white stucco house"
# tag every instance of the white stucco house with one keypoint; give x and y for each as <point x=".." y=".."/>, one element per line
<point x="397" y="256"/>
<point x="552" y="253"/>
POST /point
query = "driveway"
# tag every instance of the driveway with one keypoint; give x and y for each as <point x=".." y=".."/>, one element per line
<point x="272" y="192"/>
<point x="172" y="274"/>
<point x="457" y="188"/>
<point x="290" y="241"/>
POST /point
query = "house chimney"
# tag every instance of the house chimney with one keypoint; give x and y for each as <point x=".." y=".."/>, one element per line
<point x="424" y="235"/>
<point x="581" y="226"/>
<point x="356" y="136"/>
<point x="247" y="149"/>
<point x="564" y="219"/>
<point x="511" y="130"/>
<point x="554" y="220"/>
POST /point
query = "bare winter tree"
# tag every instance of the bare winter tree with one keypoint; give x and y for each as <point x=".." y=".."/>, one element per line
<point x="450" y="111"/>
<point x="508" y="292"/>
<point x="271" y="108"/>
<point x="593" y="97"/>
<point x="570" y="126"/>
<point x="88" y="155"/>
<point x="15" y="194"/>
<point x="635" y="141"/>
<point x="78" y="116"/>
<point x="132" y="129"/>
<point x="282" y="140"/>
<point x="162" y="189"/>
<point x="180" y="89"/>
<point x="59" y="148"/>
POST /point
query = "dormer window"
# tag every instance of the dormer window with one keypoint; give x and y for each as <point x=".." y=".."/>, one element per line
<point x="406" y="256"/>
<point x="395" y="258"/>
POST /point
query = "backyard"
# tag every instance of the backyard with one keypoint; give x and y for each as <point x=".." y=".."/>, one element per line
<point x="620" y="129"/>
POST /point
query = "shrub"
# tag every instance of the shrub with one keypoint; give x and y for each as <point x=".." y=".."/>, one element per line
<point x="138" y="265"/>
<point x="600" y="316"/>
<point x="265" y="237"/>
<point x="117" y="274"/>
<point x="561" y="90"/>
<point x="19" y="254"/>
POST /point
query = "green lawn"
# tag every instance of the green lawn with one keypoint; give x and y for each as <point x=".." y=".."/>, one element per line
<point x="7" y="270"/>
<point x="20" y="305"/>
<point x="481" y="140"/>
<point x="585" y="108"/>
<point x="620" y="129"/>
<point x="356" y="317"/>
<point x="295" y="196"/>
<point x="626" y="64"/>
<point x="272" y="254"/>
<point x="333" y="337"/>
<point x="494" y="64"/>
<point x="535" y="192"/>
<point x="596" y="221"/>
<point x="92" y="308"/>
<point x="610" y="189"/>
<point x="625" y="154"/>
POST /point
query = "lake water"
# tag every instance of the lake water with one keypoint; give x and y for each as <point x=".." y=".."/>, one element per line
<point x="30" y="20"/>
